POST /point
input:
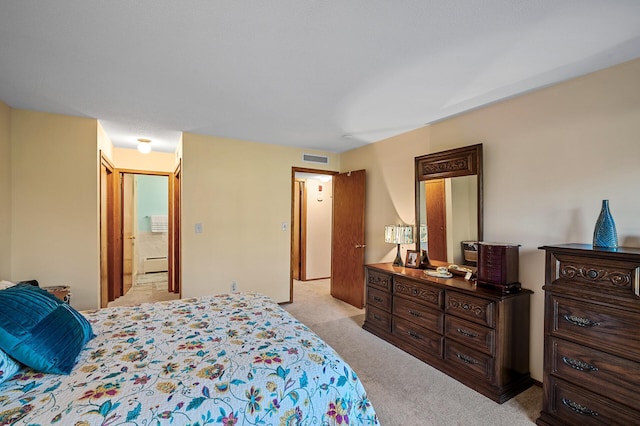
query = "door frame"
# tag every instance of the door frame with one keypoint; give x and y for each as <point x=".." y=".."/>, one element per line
<point x="295" y="170"/>
<point x="115" y="251"/>
<point x="175" y="193"/>
<point x="108" y="236"/>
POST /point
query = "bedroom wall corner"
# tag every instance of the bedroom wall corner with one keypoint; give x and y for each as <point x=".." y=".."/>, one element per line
<point x="390" y="187"/>
<point x="240" y="192"/>
<point x="55" y="215"/>
<point x="5" y="191"/>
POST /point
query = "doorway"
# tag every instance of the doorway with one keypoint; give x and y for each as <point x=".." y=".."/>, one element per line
<point x="143" y="249"/>
<point x="311" y="224"/>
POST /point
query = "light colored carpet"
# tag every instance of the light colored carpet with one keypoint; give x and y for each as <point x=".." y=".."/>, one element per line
<point x="403" y="390"/>
<point x="147" y="288"/>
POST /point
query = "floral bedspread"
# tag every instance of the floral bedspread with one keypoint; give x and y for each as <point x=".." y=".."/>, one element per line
<point x="233" y="359"/>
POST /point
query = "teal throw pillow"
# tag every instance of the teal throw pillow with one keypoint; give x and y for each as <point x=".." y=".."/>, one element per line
<point x="41" y="331"/>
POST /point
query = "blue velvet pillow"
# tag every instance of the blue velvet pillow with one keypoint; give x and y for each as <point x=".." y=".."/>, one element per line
<point x="8" y="367"/>
<point x="41" y="331"/>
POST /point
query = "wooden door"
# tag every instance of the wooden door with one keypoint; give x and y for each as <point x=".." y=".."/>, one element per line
<point x="347" y="242"/>
<point x="174" y="232"/>
<point x="128" y="242"/>
<point x="436" y="219"/>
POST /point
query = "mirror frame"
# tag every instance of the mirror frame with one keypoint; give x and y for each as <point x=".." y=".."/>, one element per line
<point x="465" y="161"/>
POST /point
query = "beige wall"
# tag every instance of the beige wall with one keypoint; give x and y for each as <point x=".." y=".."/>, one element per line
<point x="241" y="194"/>
<point x="135" y="160"/>
<point x="5" y="191"/>
<point x="55" y="223"/>
<point x="550" y="157"/>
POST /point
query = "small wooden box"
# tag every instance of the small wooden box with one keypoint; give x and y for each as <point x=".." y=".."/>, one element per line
<point x="498" y="266"/>
<point x="62" y="292"/>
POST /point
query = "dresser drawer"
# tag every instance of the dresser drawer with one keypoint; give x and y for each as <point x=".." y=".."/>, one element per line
<point x="577" y="406"/>
<point x="470" y="334"/>
<point x="423" y="293"/>
<point x="418" y="337"/>
<point x="378" y="318"/>
<point x="379" y="279"/>
<point x="604" y="373"/>
<point x="378" y="299"/>
<point x="611" y="330"/>
<point x="475" y="309"/>
<point x="467" y="359"/>
<point x="419" y="314"/>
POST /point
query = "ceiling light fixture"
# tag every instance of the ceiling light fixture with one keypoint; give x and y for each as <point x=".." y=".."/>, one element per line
<point x="144" y="145"/>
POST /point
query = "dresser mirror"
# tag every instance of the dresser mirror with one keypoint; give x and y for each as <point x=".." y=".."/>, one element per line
<point x="449" y="204"/>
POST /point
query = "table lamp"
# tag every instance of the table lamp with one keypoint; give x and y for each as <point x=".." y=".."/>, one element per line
<point x="398" y="234"/>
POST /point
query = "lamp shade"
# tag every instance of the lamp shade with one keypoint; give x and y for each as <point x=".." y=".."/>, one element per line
<point x="398" y="234"/>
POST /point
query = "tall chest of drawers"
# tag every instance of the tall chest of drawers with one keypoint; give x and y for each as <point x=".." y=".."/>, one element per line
<point x="478" y="336"/>
<point x="592" y="336"/>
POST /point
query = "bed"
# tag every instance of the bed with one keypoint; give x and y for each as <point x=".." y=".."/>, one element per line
<point x="232" y="359"/>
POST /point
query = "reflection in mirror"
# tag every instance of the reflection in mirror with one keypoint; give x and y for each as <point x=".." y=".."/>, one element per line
<point x="449" y="204"/>
<point x="448" y="217"/>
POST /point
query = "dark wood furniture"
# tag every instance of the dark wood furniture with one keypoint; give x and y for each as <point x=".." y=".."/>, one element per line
<point x="478" y="336"/>
<point x="498" y="266"/>
<point x="62" y="292"/>
<point x="592" y="336"/>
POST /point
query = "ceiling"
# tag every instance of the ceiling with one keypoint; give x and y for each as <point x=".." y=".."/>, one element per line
<point x="329" y="75"/>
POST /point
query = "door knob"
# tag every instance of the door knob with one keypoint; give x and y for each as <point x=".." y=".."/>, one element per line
<point x="361" y="245"/>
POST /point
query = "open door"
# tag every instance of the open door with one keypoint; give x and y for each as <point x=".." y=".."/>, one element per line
<point x="347" y="254"/>
<point x="128" y="231"/>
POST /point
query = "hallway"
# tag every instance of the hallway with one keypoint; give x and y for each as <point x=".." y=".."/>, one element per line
<point x="147" y="288"/>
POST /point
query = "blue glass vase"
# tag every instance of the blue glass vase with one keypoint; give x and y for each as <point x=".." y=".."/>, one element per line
<point x="604" y="235"/>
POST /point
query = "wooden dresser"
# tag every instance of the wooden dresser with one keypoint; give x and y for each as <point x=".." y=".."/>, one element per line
<point x="592" y="336"/>
<point x="478" y="336"/>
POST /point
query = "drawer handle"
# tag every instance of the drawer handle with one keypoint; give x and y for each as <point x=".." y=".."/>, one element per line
<point x="579" y="365"/>
<point x="377" y="318"/>
<point x="579" y="321"/>
<point x="466" y="332"/>
<point x="580" y="409"/>
<point x="414" y="334"/>
<point x="467" y="359"/>
<point x="377" y="299"/>
<point x="414" y="313"/>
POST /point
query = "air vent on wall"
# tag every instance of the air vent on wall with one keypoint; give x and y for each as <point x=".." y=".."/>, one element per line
<point x="312" y="158"/>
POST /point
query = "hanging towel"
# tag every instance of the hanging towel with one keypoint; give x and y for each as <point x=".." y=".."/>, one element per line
<point x="159" y="223"/>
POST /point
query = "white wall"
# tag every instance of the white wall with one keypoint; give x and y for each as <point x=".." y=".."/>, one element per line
<point x="319" y="225"/>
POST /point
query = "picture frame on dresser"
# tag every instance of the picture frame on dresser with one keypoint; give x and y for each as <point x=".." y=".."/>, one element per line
<point x="413" y="259"/>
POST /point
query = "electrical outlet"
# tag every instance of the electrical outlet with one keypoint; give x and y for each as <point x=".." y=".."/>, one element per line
<point x="234" y="286"/>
